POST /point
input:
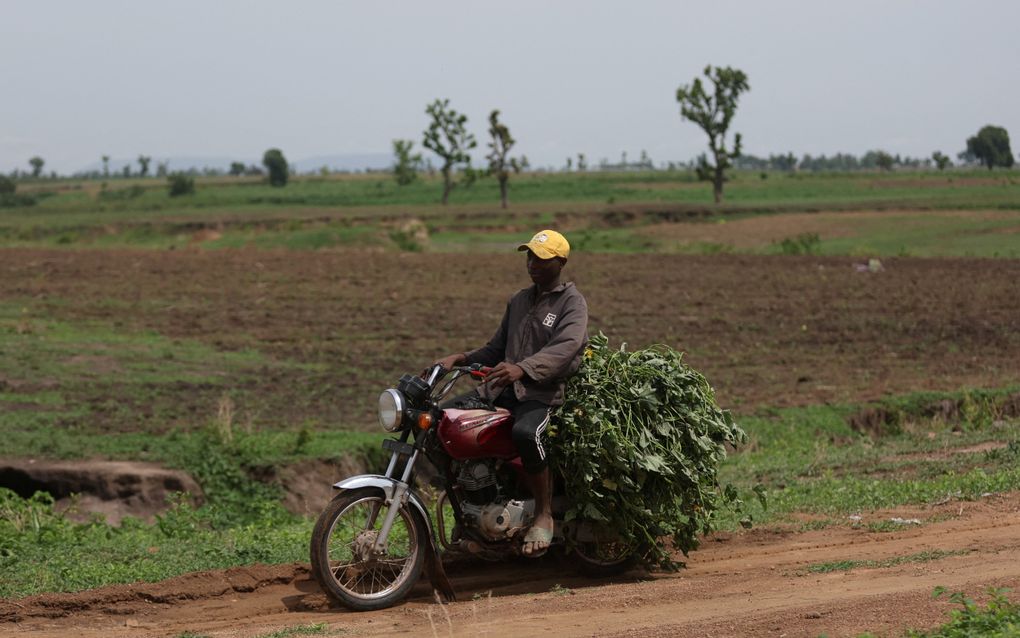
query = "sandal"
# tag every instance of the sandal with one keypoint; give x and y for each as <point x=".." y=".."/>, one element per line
<point x="537" y="535"/>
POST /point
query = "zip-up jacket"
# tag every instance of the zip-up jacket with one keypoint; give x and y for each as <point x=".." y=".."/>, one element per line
<point x="543" y="333"/>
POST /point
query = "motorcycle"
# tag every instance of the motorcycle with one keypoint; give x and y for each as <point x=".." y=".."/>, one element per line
<point x="372" y="541"/>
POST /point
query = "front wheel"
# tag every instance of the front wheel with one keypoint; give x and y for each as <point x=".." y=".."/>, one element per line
<point x="343" y="560"/>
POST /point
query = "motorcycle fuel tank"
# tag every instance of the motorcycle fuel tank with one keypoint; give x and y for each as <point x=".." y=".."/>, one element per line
<point x="474" y="434"/>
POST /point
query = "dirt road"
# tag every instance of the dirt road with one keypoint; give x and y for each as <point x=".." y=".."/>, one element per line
<point x="757" y="583"/>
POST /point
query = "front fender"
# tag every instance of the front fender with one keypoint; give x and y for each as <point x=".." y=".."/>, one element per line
<point x="388" y="486"/>
<point x="433" y="561"/>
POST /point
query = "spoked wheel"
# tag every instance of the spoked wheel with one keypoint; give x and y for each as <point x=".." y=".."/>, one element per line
<point x="344" y="560"/>
<point x="602" y="554"/>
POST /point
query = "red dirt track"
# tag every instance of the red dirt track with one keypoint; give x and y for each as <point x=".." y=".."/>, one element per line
<point x="749" y="584"/>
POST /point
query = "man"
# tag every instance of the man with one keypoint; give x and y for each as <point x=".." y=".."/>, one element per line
<point x="538" y="345"/>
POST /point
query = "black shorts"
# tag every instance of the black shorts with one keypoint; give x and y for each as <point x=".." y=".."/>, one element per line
<point x="531" y="419"/>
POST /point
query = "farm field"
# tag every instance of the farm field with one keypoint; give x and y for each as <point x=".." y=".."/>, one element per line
<point x="865" y="334"/>
<point x="966" y="213"/>
<point x="119" y="341"/>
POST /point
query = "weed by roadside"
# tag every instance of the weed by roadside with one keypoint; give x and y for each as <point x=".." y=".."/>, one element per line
<point x="998" y="618"/>
<point x="312" y="629"/>
<point x="848" y="565"/>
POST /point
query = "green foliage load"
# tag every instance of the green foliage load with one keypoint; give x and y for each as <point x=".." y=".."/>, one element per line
<point x="639" y="442"/>
<point x="276" y="165"/>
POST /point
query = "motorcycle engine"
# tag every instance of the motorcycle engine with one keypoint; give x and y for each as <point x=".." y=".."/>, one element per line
<point x="499" y="521"/>
<point x="496" y="517"/>
<point x="478" y="480"/>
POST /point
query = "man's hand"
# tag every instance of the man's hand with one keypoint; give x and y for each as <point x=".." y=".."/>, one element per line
<point x="504" y="374"/>
<point x="451" y="360"/>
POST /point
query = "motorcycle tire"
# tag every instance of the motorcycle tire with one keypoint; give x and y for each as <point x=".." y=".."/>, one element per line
<point x="597" y="560"/>
<point x="341" y="559"/>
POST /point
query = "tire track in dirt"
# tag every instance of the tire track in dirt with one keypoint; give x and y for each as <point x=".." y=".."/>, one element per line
<point x="743" y="584"/>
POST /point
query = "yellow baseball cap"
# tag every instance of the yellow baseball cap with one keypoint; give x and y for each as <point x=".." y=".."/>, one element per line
<point x="547" y="244"/>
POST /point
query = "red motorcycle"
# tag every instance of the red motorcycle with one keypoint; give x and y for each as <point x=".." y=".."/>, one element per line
<point x="375" y="537"/>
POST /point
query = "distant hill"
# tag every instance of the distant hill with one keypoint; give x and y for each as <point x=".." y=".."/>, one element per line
<point x="338" y="162"/>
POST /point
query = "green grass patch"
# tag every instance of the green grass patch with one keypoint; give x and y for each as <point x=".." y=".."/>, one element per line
<point x="809" y="459"/>
<point x="311" y="629"/>
<point x="140" y="213"/>
<point x="84" y="377"/>
<point x="848" y="565"/>
<point x="812" y="461"/>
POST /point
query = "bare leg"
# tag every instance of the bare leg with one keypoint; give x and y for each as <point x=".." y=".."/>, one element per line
<point x="541" y="488"/>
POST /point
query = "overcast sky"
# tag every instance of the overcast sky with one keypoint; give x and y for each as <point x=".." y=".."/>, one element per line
<point x="319" y="77"/>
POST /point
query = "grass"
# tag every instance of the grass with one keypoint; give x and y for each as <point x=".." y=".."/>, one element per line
<point x="89" y="387"/>
<point x="848" y="565"/>
<point x="809" y="460"/>
<point x="341" y="211"/>
<point x="311" y="629"/>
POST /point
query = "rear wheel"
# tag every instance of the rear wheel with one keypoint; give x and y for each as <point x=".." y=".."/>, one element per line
<point x="342" y="551"/>
<point x="601" y="554"/>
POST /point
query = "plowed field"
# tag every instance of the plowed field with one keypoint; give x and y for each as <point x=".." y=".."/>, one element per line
<point x="766" y="330"/>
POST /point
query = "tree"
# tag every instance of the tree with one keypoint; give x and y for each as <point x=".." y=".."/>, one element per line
<point x="37" y="165"/>
<point x="582" y="162"/>
<point x="407" y="165"/>
<point x="884" y="160"/>
<point x="499" y="164"/>
<point x="991" y="147"/>
<point x="162" y="168"/>
<point x="713" y="114"/>
<point x="447" y="138"/>
<point x="941" y="161"/>
<point x="237" y="168"/>
<point x="106" y="165"/>
<point x="143" y="163"/>
<point x="276" y="165"/>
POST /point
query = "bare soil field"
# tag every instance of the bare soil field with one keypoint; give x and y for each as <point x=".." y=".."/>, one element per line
<point x="766" y="330"/>
<point x="762" y="230"/>
<point x="757" y="583"/>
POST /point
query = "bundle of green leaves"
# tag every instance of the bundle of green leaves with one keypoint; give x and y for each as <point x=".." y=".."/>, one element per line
<point x="639" y="442"/>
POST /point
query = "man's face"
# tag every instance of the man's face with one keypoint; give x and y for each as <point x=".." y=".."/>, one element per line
<point x="544" y="271"/>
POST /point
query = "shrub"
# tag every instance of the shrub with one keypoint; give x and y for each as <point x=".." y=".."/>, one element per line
<point x="803" y="244"/>
<point x="181" y="184"/>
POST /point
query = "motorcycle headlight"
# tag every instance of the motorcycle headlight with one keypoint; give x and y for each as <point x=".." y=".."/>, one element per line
<point x="391" y="410"/>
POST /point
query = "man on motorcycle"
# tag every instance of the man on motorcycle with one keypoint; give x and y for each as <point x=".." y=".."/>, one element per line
<point x="537" y="347"/>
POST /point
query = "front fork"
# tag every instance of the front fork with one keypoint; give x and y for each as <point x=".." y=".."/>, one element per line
<point x="396" y="497"/>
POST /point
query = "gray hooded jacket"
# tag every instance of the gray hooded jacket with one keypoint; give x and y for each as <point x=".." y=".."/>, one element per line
<point x="545" y="334"/>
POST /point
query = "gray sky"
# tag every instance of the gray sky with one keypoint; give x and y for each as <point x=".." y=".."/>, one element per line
<point x="318" y="77"/>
